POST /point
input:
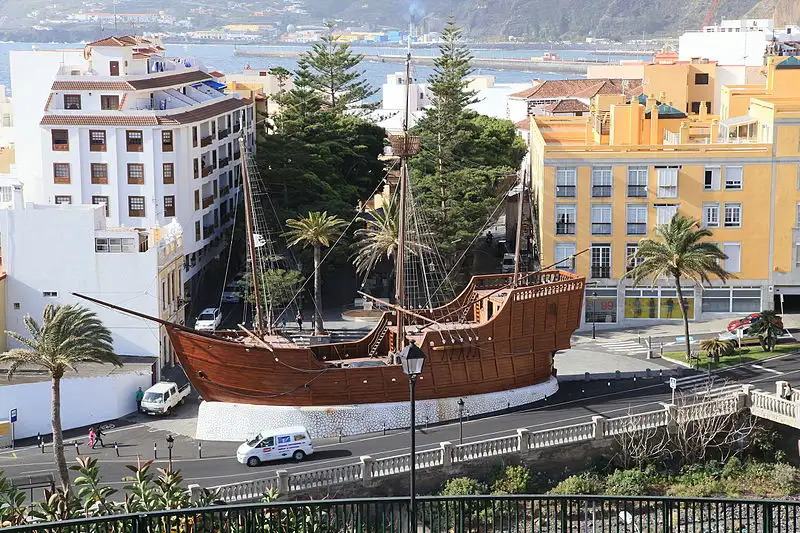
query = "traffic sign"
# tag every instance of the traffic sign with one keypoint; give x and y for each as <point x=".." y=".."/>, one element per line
<point x="13" y="416"/>
<point x="673" y="383"/>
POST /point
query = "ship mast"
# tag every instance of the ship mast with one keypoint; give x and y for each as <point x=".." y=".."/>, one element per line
<point x="517" y="248"/>
<point x="255" y="271"/>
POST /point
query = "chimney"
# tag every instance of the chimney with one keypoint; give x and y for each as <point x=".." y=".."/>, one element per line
<point x="651" y="102"/>
<point x="703" y="110"/>
<point x="655" y="138"/>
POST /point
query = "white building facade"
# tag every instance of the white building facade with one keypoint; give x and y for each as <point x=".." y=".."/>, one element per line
<point x="150" y="138"/>
<point x="737" y="42"/>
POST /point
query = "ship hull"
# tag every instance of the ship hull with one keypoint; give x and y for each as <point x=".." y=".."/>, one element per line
<point x="505" y="339"/>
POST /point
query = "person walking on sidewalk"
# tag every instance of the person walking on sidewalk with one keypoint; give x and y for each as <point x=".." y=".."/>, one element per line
<point x="98" y="437"/>
<point x="139" y="396"/>
<point x="92" y="437"/>
<point x="299" y="319"/>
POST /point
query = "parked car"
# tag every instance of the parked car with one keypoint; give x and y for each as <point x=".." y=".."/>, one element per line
<point x="733" y="336"/>
<point x="231" y="295"/>
<point x="162" y="397"/>
<point x="508" y="263"/>
<point x="209" y="319"/>
<point x="749" y="320"/>
<point x="275" y="444"/>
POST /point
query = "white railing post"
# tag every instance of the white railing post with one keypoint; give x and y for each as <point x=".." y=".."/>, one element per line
<point x="446" y="449"/>
<point x="366" y="469"/>
<point x="599" y="427"/>
<point x="780" y="388"/>
<point x="672" y="417"/>
<point x="283" y="482"/>
<point x="524" y="438"/>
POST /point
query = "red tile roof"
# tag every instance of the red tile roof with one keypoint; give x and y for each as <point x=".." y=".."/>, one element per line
<point x="87" y="85"/>
<point x="173" y="79"/>
<point x="132" y="85"/>
<point x="204" y="113"/>
<point x="569" y="105"/>
<point x="581" y="88"/>
<point x="123" y="40"/>
<point x="524" y="124"/>
<point x="217" y="74"/>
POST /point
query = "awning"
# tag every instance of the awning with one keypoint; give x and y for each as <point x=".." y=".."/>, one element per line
<point x="215" y="85"/>
<point x="738" y="121"/>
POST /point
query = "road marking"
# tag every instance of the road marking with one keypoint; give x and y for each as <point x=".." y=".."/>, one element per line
<point x="759" y="367"/>
<point x="12" y="456"/>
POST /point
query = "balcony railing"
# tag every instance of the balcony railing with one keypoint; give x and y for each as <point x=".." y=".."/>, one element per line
<point x="208" y="231"/>
<point x="565" y="228"/>
<point x="224" y="219"/>
<point x="223" y="162"/>
<point x="601" y="228"/>
<point x="208" y="201"/>
<point x="237" y="155"/>
<point x="224" y="191"/>
<point x="236" y="128"/>
<point x="565" y="191"/>
<point x="207" y="170"/>
<point x="205" y="141"/>
<point x="601" y="271"/>
<point x="637" y="228"/>
<point x="637" y="191"/>
<point x="601" y="191"/>
<point x="223" y="133"/>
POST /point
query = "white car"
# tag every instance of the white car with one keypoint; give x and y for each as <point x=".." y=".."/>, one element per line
<point x="508" y="263"/>
<point x="209" y="319"/>
<point x="275" y="444"/>
<point x="231" y="295"/>
<point x="733" y="336"/>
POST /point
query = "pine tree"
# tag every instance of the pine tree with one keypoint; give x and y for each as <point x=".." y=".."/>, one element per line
<point x="333" y="72"/>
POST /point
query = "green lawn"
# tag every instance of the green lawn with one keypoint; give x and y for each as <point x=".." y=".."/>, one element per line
<point x="748" y="354"/>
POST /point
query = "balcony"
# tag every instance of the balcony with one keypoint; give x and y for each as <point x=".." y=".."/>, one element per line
<point x="224" y="219"/>
<point x="637" y="191"/>
<point x="224" y="191"/>
<point x="236" y="128"/>
<point x="637" y="228"/>
<point x="223" y="162"/>
<point x="223" y="133"/>
<point x="601" y="271"/>
<point x="601" y="191"/>
<point x="565" y="191"/>
<point x="208" y="169"/>
<point x="601" y="228"/>
<point x="208" y="201"/>
<point x="205" y="141"/>
<point x="237" y="155"/>
<point x="208" y="231"/>
<point x="601" y="122"/>
<point x="565" y="228"/>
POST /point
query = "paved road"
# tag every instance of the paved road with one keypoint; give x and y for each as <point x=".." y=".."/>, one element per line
<point x="575" y="402"/>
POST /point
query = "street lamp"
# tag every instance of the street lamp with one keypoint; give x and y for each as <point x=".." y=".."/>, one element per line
<point x="594" y="314"/>
<point x="461" y="420"/>
<point x="170" y="442"/>
<point x="412" y="359"/>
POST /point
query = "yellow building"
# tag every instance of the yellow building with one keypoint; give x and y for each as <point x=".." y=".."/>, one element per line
<point x="604" y="181"/>
<point x="6" y="158"/>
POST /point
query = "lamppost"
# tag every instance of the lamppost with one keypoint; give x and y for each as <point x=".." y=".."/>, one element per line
<point x="461" y="420"/>
<point x="412" y="359"/>
<point x="170" y="441"/>
<point x="594" y="314"/>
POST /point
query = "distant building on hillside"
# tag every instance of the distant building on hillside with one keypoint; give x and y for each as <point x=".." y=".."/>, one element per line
<point x="740" y="42"/>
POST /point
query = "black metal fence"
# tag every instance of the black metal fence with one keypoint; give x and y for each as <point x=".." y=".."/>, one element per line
<point x="478" y="514"/>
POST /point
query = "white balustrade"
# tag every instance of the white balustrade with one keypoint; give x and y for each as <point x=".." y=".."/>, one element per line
<point x="324" y="477"/>
<point x="247" y="490"/>
<point x="486" y="448"/>
<point x="635" y="422"/>
<point x="562" y="435"/>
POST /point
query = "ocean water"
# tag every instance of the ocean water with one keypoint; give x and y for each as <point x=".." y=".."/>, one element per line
<point x="221" y="57"/>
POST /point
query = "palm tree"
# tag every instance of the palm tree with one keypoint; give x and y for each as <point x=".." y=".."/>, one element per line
<point x="716" y="348"/>
<point x="68" y="335"/>
<point x="768" y="329"/>
<point x="315" y="230"/>
<point x="679" y="252"/>
<point x="379" y="236"/>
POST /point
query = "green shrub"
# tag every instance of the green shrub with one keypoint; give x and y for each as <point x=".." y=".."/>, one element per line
<point x="786" y="478"/>
<point x="733" y="468"/>
<point x="513" y="480"/>
<point x="633" y="482"/>
<point x="463" y="486"/>
<point x="579" y="484"/>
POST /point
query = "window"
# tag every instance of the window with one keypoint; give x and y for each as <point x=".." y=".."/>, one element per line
<point x="711" y="179"/>
<point x="168" y="173"/>
<point x="115" y="245"/>
<point x="166" y="141"/>
<point x="60" y="172"/>
<point x="601" y="182"/>
<point x="101" y="200"/>
<point x="197" y="199"/>
<point x="733" y="178"/>
<point x="72" y="101"/>
<point x="695" y="108"/>
<point x="665" y="212"/>
<point x="733" y="215"/>
<point x="565" y="219"/>
<point x="136" y="206"/>
<point x="97" y="140"/>
<point x="99" y="172"/>
<point x="566" y="179"/>
<point x="601" y="260"/>
<point x="196" y="168"/>
<point x="50" y="294"/>
<point x="632" y="262"/>
<point x="109" y="102"/>
<point x="711" y="215"/>
<point x="169" y="206"/>
<point x="734" y="251"/>
<point x="194" y="136"/>
<point x="601" y="220"/>
<point x="134" y="140"/>
<point x="637" y="219"/>
<point x="63" y="199"/>
<point x="637" y="182"/>
<point x="197" y="234"/>
<point x="136" y="173"/>
<point x="564" y="251"/>
<point x="700" y="78"/>
<point x="667" y="182"/>
<point x="60" y="140"/>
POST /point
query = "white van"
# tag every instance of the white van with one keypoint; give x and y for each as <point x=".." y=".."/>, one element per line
<point x="274" y="444"/>
<point x="508" y="263"/>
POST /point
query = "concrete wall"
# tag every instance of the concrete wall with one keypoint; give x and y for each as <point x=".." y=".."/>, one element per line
<point x="84" y="401"/>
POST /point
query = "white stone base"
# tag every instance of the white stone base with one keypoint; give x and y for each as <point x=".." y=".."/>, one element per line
<point x="236" y="422"/>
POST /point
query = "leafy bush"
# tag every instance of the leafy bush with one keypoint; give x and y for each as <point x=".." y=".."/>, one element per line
<point x="513" y="480"/>
<point x="733" y="468"/>
<point x="633" y="482"/>
<point x="579" y="484"/>
<point x="463" y="486"/>
<point x="786" y="478"/>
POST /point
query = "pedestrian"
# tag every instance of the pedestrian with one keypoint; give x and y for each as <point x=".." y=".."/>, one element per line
<point x="98" y="437"/>
<point x="283" y="321"/>
<point x="299" y="319"/>
<point x="92" y="436"/>
<point x="787" y="392"/>
<point x="139" y="397"/>
<point x="489" y="237"/>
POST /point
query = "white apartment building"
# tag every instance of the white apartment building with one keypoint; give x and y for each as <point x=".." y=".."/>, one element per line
<point x="51" y="251"/>
<point x="151" y="138"/>
<point x="738" y="42"/>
